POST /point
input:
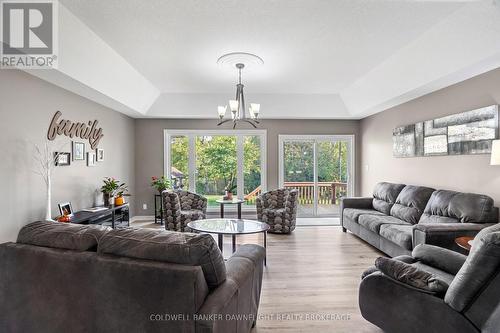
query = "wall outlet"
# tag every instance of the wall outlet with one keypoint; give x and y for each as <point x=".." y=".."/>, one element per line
<point x="144" y="206"/>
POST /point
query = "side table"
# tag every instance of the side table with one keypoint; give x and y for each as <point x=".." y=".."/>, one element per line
<point x="222" y="202"/>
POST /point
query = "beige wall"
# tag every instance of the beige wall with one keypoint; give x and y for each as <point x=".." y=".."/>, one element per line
<point x="149" y="147"/>
<point x="471" y="173"/>
<point x="27" y="105"/>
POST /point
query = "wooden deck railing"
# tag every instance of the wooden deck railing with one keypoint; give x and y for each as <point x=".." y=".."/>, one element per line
<point x="328" y="192"/>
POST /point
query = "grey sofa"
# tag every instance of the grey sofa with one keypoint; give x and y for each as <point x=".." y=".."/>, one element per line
<point x="72" y="278"/>
<point x="399" y="217"/>
<point x="470" y="304"/>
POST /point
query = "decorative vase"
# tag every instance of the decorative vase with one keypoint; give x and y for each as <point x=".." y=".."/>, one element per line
<point x="119" y="201"/>
<point x="106" y="198"/>
<point x="48" y="208"/>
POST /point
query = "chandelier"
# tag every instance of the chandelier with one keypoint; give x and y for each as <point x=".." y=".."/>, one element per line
<point x="237" y="105"/>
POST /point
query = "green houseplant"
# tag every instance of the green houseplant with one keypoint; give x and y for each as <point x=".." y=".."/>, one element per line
<point x="160" y="183"/>
<point x="113" y="188"/>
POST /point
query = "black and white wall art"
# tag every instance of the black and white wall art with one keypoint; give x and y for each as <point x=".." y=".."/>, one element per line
<point x="463" y="133"/>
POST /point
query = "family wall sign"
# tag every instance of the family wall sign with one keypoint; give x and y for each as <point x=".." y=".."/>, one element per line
<point x="86" y="131"/>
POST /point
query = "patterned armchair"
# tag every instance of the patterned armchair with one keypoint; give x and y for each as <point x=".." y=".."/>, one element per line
<point x="182" y="207"/>
<point x="278" y="208"/>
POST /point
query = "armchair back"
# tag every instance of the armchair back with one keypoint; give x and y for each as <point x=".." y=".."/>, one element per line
<point x="476" y="287"/>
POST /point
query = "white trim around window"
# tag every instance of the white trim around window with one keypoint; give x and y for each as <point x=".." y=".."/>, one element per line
<point x="192" y="134"/>
<point x="351" y="161"/>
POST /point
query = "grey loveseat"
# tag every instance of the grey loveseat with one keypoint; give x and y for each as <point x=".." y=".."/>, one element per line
<point x="399" y="217"/>
<point x="471" y="302"/>
<point x="72" y="278"/>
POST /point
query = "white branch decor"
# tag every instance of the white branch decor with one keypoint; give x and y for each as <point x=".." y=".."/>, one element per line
<point x="46" y="156"/>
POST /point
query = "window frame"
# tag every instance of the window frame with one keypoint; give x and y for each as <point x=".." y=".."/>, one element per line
<point x="239" y="134"/>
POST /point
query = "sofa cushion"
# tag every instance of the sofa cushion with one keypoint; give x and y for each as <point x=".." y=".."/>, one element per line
<point x="384" y="196"/>
<point x="452" y="207"/>
<point x="411" y="202"/>
<point x="355" y="213"/>
<point x="399" y="234"/>
<point x="168" y="246"/>
<point x="374" y="222"/>
<point x="411" y="275"/>
<point x="62" y="235"/>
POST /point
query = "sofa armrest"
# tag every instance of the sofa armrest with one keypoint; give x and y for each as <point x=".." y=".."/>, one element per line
<point x="444" y="234"/>
<point x="233" y="306"/>
<point x="382" y="301"/>
<point x="361" y="202"/>
<point x="444" y="259"/>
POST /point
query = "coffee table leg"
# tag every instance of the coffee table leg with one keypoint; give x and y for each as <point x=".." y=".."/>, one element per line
<point x="239" y="210"/>
<point x="234" y="243"/>
<point x="221" y="211"/>
<point x="221" y="242"/>
<point x="265" y="246"/>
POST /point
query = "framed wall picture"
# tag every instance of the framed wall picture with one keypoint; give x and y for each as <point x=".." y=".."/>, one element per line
<point x="62" y="159"/>
<point x="99" y="155"/>
<point x="65" y="209"/>
<point x="90" y="159"/>
<point x="78" y="151"/>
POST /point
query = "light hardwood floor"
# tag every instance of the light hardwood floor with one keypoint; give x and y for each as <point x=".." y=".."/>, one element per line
<point x="315" y="271"/>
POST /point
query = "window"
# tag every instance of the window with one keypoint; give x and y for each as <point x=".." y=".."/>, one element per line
<point x="206" y="162"/>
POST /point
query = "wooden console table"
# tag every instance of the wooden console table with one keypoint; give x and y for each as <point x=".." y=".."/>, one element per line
<point x="114" y="216"/>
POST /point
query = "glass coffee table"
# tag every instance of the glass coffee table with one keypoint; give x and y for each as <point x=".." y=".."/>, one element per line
<point x="231" y="227"/>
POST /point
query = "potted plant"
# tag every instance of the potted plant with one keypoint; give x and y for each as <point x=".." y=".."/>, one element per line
<point x="108" y="189"/>
<point x="230" y="187"/>
<point x="121" y="192"/>
<point x="160" y="184"/>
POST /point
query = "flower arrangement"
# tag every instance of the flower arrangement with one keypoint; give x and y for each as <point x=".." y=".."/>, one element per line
<point x="160" y="183"/>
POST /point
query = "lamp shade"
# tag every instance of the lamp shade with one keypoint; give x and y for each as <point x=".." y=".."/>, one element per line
<point x="495" y="152"/>
<point x="221" y="110"/>
<point x="233" y="105"/>
<point x="254" y="110"/>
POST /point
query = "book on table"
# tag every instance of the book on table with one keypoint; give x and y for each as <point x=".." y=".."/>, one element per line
<point x="94" y="209"/>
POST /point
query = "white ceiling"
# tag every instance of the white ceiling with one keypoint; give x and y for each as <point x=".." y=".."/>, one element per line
<point x="309" y="46"/>
<point x="324" y="59"/>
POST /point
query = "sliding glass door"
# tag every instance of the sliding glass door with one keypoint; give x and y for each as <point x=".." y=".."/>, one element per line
<point x="208" y="162"/>
<point x="319" y="167"/>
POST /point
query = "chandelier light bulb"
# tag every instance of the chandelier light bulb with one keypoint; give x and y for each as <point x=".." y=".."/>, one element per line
<point x="233" y="105"/>
<point x="222" y="111"/>
<point x="254" y="110"/>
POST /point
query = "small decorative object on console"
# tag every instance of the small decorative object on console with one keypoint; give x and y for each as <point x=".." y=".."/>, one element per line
<point x="65" y="209"/>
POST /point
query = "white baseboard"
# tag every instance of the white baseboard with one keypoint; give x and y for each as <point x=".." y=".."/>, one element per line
<point x="142" y="218"/>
